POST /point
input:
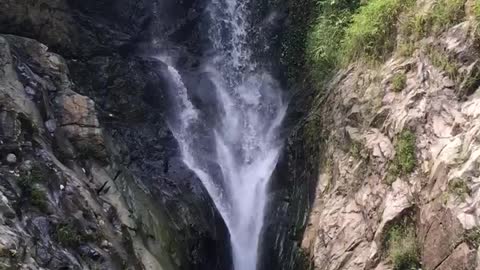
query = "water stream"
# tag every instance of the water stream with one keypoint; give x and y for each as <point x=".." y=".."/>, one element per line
<point x="243" y="143"/>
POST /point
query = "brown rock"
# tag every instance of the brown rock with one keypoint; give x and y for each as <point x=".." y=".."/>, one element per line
<point x="80" y="124"/>
<point x="462" y="258"/>
<point x="444" y="234"/>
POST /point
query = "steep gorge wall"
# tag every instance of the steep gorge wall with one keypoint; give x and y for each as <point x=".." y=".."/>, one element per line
<point x="394" y="139"/>
<point x="84" y="108"/>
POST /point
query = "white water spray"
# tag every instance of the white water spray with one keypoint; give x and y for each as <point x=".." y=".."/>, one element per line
<point x="245" y="136"/>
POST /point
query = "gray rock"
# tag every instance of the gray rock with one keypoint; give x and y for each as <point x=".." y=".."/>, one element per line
<point x="51" y="125"/>
<point x="29" y="90"/>
<point x="11" y="158"/>
<point x="26" y="166"/>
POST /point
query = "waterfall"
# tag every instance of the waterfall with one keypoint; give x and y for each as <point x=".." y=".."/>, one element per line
<point x="243" y="140"/>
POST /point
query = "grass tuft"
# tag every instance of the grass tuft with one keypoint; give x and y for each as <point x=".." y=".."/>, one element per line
<point x="399" y="81"/>
<point x="442" y="61"/>
<point x="402" y="247"/>
<point x="373" y="30"/>
<point x="404" y="161"/>
<point x="445" y="14"/>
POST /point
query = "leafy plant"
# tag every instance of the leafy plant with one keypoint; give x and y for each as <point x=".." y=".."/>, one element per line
<point x="328" y="30"/>
<point x="402" y="247"/>
<point x="373" y="29"/>
<point x="404" y="161"/>
<point x="445" y="14"/>
<point x="399" y="81"/>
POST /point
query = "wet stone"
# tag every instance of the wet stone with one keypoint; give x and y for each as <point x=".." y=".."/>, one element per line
<point x="11" y="158"/>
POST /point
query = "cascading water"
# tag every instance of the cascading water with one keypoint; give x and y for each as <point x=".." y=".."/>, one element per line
<point x="243" y="138"/>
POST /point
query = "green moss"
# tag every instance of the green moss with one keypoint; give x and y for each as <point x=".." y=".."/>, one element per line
<point x="373" y="29"/>
<point x="404" y="161"/>
<point x="459" y="188"/>
<point x="399" y="81"/>
<point x="402" y="248"/>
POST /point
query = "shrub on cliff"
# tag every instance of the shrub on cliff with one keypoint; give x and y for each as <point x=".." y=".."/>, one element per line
<point x="326" y="35"/>
<point x="373" y="30"/>
<point x="402" y="247"/>
<point x="404" y="161"/>
<point x="346" y="31"/>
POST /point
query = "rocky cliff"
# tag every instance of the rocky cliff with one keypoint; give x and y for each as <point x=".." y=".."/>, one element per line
<point x="91" y="177"/>
<point x="390" y="144"/>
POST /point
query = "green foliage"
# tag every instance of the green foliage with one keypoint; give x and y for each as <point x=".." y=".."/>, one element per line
<point x="373" y="29"/>
<point x="406" y="49"/>
<point x="404" y="161"/>
<point x="399" y="81"/>
<point x="413" y="26"/>
<point x="327" y="32"/>
<point x="459" y="188"/>
<point x="445" y="14"/>
<point x="473" y="237"/>
<point x="443" y="62"/>
<point x="402" y="247"/>
<point x="476" y="9"/>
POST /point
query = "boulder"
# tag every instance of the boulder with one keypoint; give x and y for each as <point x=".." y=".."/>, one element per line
<point x="78" y="120"/>
<point x="11" y="158"/>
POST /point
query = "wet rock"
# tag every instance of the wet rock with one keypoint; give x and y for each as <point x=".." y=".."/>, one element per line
<point x="51" y="125"/>
<point x="11" y="158"/>
<point x="9" y="126"/>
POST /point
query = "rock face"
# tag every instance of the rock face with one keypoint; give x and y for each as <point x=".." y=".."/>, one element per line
<point x="98" y="182"/>
<point x="355" y="136"/>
